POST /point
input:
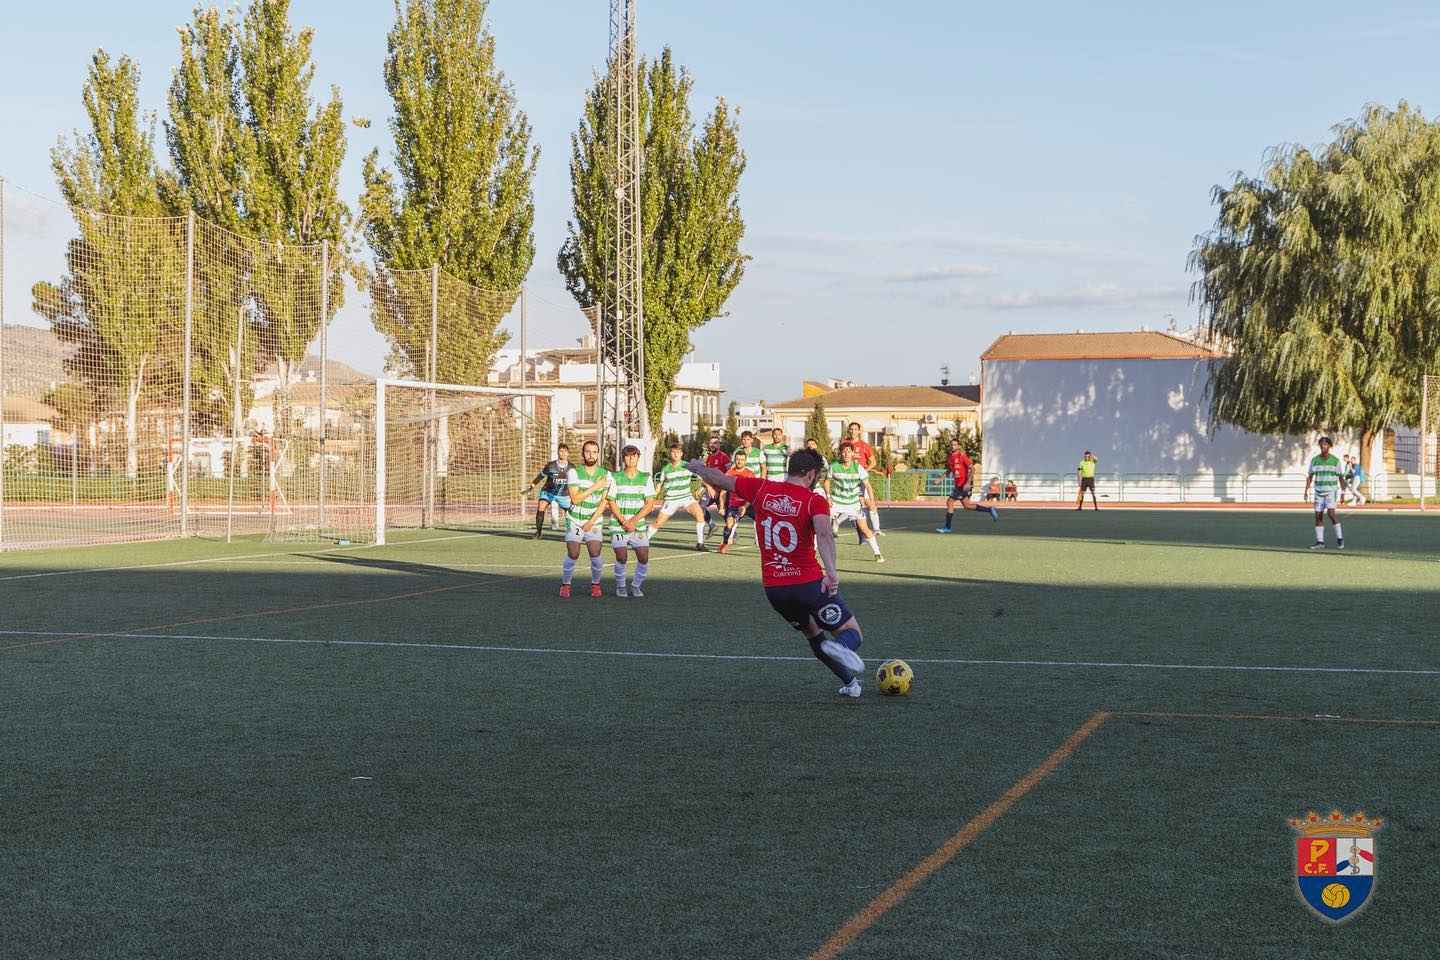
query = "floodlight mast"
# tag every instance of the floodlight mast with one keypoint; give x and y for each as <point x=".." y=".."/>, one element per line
<point x="621" y="410"/>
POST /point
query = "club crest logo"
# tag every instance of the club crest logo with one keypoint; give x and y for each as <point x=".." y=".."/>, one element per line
<point x="782" y="504"/>
<point x="1335" y="862"/>
<point x="830" y="614"/>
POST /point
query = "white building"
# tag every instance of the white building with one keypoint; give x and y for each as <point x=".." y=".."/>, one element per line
<point x="570" y="373"/>
<point x="28" y="423"/>
<point x="1138" y="402"/>
<point x="754" y="417"/>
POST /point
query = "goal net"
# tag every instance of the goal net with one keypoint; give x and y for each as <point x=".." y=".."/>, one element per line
<point x="412" y="455"/>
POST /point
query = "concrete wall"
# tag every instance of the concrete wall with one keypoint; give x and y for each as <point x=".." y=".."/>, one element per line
<point x="1137" y="416"/>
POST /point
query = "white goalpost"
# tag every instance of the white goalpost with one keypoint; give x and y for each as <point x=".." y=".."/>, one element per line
<point x="451" y="456"/>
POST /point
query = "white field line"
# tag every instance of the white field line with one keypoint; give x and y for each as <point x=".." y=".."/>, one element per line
<point x="764" y="658"/>
<point x="244" y="556"/>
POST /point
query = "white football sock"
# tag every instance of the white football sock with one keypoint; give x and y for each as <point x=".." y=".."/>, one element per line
<point x="1320" y="534"/>
<point x="699" y="531"/>
<point x="619" y="574"/>
<point x="874" y="544"/>
<point x="875" y="520"/>
<point x="641" y="571"/>
<point x="1339" y="534"/>
<point x="596" y="566"/>
<point x="567" y="571"/>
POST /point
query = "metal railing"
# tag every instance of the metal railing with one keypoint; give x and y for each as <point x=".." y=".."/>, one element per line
<point x="1198" y="488"/>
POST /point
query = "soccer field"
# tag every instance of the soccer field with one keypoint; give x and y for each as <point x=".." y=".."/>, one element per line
<point x="419" y="751"/>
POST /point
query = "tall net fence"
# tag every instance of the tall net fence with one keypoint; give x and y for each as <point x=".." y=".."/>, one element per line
<point x="165" y="377"/>
<point x="1428" y="439"/>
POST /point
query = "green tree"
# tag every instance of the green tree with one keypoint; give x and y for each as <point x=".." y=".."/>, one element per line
<point x="1321" y="278"/>
<point x="252" y="153"/>
<point x="818" y="428"/>
<point x="292" y="157"/>
<point x="662" y="449"/>
<point x="125" y="273"/>
<point x="690" y="216"/>
<point x="698" y="440"/>
<point x="461" y="193"/>
<point x="730" y="440"/>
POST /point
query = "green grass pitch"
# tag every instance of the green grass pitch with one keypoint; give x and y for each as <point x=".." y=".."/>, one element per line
<point x="420" y="751"/>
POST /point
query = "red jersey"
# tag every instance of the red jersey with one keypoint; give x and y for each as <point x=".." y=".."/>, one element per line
<point x="735" y="501"/>
<point x="864" y="453"/>
<point x="719" y="460"/>
<point x="960" y="465"/>
<point x="784" y="515"/>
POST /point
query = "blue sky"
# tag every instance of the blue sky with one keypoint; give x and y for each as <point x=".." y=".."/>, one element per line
<point x="923" y="177"/>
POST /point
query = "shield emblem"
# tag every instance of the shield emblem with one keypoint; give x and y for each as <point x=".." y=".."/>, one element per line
<point x="1335" y="863"/>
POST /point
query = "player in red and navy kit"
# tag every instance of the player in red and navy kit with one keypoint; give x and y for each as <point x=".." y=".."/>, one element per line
<point x="793" y="522"/>
<point x="960" y="467"/>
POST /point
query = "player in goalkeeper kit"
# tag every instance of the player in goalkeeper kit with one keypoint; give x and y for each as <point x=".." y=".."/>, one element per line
<point x="589" y="488"/>
<point x="552" y="481"/>
<point x="794" y="525"/>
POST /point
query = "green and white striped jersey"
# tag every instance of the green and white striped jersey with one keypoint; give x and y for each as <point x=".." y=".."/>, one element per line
<point x="775" y="456"/>
<point x="629" y="495"/>
<point x="1325" y="471"/>
<point x="580" y="478"/>
<point x="847" y="484"/>
<point x="678" y="482"/>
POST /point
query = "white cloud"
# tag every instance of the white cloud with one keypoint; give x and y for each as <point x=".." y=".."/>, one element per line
<point x="1094" y="296"/>
<point x="959" y="271"/>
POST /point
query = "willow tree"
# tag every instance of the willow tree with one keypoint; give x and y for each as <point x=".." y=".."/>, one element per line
<point x="690" y="216"/>
<point x="1321" y="279"/>
<point x="460" y="195"/>
<point x="118" y="305"/>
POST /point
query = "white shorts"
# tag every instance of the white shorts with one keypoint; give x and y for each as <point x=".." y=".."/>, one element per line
<point x="839" y="515"/>
<point x="669" y="510"/>
<point x="577" y="534"/>
<point x="1326" y="501"/>
<point x="632" y="541"/>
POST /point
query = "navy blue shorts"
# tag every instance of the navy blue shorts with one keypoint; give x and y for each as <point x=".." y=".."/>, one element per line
<point x="960" y="493"/>
<point x="737" y="513"/>
<point x="800" y="602"/>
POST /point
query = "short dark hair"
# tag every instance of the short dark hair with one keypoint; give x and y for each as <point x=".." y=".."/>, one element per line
<point x="563" y="446"/>
<point x="739" y="454"/>
<point x="852" y="423"/>
<point x="805" y="461"/>
<point x="747" y="433"/>
<point x="677" y="445"/>
<point x="629" y="449"/>
<point x="589" y="443"/>
<point x="847" y="445"/>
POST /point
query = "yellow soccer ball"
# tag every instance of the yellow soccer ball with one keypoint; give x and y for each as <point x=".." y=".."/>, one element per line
<point x="1335" y="895"/>
<point x="893" y="678"/>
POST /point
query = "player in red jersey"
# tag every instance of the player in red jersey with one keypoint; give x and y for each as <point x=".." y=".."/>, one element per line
<point x="732" y="505"/>
<point x="960" y="468"/>
<point x="720" y="460"/>
<point x="794" y="525"/>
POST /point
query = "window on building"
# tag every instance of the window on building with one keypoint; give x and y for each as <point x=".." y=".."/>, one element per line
<point x="876" y="438"/>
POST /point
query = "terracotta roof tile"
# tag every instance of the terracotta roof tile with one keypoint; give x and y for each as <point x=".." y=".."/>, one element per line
<point x="901" y="398"/>
<point x="1138" y="345"/>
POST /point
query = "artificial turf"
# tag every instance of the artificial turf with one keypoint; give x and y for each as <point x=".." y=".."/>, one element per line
<point x="328" y="764"/>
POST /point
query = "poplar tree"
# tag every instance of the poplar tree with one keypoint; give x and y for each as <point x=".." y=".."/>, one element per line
<point x="690" y="216"/>
<point x="460" y="193"/>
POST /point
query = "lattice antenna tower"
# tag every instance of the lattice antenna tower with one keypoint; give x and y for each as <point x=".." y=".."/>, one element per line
<point x="621" y="373"/>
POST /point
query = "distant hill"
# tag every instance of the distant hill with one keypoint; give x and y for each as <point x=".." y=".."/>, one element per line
<point x="33" y="362"/>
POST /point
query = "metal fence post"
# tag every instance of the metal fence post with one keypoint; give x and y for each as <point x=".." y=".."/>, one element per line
<point x="185" y="375"/>
<point x="324" y="364"/>
<point x="235" y="418"/>
<point x="380" y="462"/>
<point x="2" y="362"/>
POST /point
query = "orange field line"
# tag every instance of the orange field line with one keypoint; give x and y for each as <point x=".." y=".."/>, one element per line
<point x="946" y="852"/>
<point x="1160" y="715"/>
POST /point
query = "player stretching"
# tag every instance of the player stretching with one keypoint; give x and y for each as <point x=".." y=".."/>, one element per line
<point x="552" y="480"/>
<point x="847" y="486"/>
<point x="678" y="484"/>
<point x="795" y="523"/>
<point x="632" y="497"/>
<point x="588" y="487"/>
<point x="865" y="456"/>
<point x="960" y="467"/>
<point x="776" y="453"/>
<point x="733" y="506"/>
<point x="1325" y="474"/>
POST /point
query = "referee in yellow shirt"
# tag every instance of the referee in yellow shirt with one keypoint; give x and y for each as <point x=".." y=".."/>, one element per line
<point x="1086" y="472"/>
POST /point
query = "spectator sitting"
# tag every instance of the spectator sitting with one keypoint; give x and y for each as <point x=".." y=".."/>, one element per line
<point x="993" y="491"/>
<point x="1012" y="492"/>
